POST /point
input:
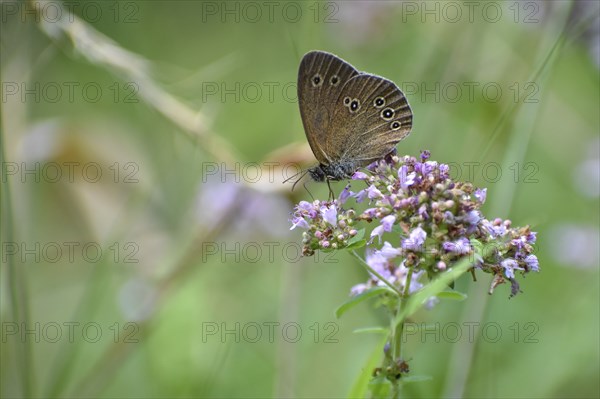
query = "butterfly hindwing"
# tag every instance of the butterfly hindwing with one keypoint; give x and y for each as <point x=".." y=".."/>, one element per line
<point x="370" y="117"/>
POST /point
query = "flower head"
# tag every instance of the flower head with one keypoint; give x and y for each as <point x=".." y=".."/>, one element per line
<point x="418" y="199"/>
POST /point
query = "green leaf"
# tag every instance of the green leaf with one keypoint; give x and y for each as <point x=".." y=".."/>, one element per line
<point x="415" y="378"/>
<point x="359" y="235"/>
<point x="360" y="298"/>
<point x="380" y="387"/>
<point x="372" y="330"/>
<point x="479" y="247"/>
<point x="356" y="244"/>
<point x="435" y="287"/>
<point x="453" y="295"/>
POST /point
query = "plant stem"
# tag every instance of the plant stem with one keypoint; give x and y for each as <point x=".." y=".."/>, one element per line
<point x="379" y="276"/>
<point x="399" y="329"/>
<point x="400" y="326"/>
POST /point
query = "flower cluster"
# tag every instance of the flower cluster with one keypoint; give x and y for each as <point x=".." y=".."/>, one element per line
<point x="436" y="222"/>
<point x="328" y="225"/>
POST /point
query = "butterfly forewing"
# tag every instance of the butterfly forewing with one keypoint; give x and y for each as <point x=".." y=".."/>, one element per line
<point x="371" y="116"/>
<point x="321" y="78"/>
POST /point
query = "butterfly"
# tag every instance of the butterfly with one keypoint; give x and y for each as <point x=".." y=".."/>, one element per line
<point x="351" y="118"/>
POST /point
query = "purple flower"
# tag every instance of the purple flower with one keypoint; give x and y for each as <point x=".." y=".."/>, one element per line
<point x="370" y="212"/>
<point x="425" y="154"/>
<point x="305" y="205"/>
<point x="480" y="195"/>
<point x="373" y="193"/>
<point x="406" y="179"/>
<point x="460" y="247"/>
<point x="429" y="167"/>
<point x="378" y="262"/>
<point x="305" y="208"/>
<point x="444" y="171"/>
<point x="532" y="263"/>
<point x="518" y="242"/>
<point x="345" y="194"/>
<point x="372" y="166"/>
<point x="358" y="289"/>
<point x="494" y="230"/>
<point x="405" y="202"/>
<point x="359" y="176"/>
<point x="472" y="217"/>
<point x="415" y="240"/>
<point x="329" y="214"/>
<point x="361" y="195"/>
<point x="390" y="252"/>
<point x="386" y="225"/>
<point x="423" y="212"/>
<point x="377" y="232"/>
<point x="299" y="222"/>
<point x="510" y="265"/>
<point x="531" y="237"/>
<point x="388" y="222"/>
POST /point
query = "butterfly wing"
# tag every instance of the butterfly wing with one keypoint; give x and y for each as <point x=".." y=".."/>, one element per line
<point x="321" y="77"/>
<point x="371" y="116"/>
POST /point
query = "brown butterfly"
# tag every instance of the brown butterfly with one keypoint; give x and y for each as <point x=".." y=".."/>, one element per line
<point x="350" y="118"/>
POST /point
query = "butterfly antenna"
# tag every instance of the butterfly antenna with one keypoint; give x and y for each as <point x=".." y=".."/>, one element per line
<point x="292" y="176"/>
<point x="304" y="172"/>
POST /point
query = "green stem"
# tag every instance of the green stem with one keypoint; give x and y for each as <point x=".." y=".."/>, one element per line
<point x="396" y="328"/>
<point x="400" y="326"/>
<point x="399" y="329"/>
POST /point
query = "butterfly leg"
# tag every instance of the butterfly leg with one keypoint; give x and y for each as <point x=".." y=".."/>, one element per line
<point x="331" y="193"/>
<point x="308" y="191"/>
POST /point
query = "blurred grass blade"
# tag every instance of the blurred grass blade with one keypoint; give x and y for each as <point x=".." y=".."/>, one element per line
<point x="502" y="197"/>
<point x="17" y="285"/>
<point x="361" y="385"/>
<point x="133" y="68"/>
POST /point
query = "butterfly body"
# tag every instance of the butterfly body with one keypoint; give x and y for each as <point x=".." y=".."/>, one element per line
<point x="337" y="170"/>
<point x="350" y="118"/>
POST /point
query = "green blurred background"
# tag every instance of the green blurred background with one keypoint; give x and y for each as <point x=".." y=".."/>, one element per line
<point x="184" y="279"/>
